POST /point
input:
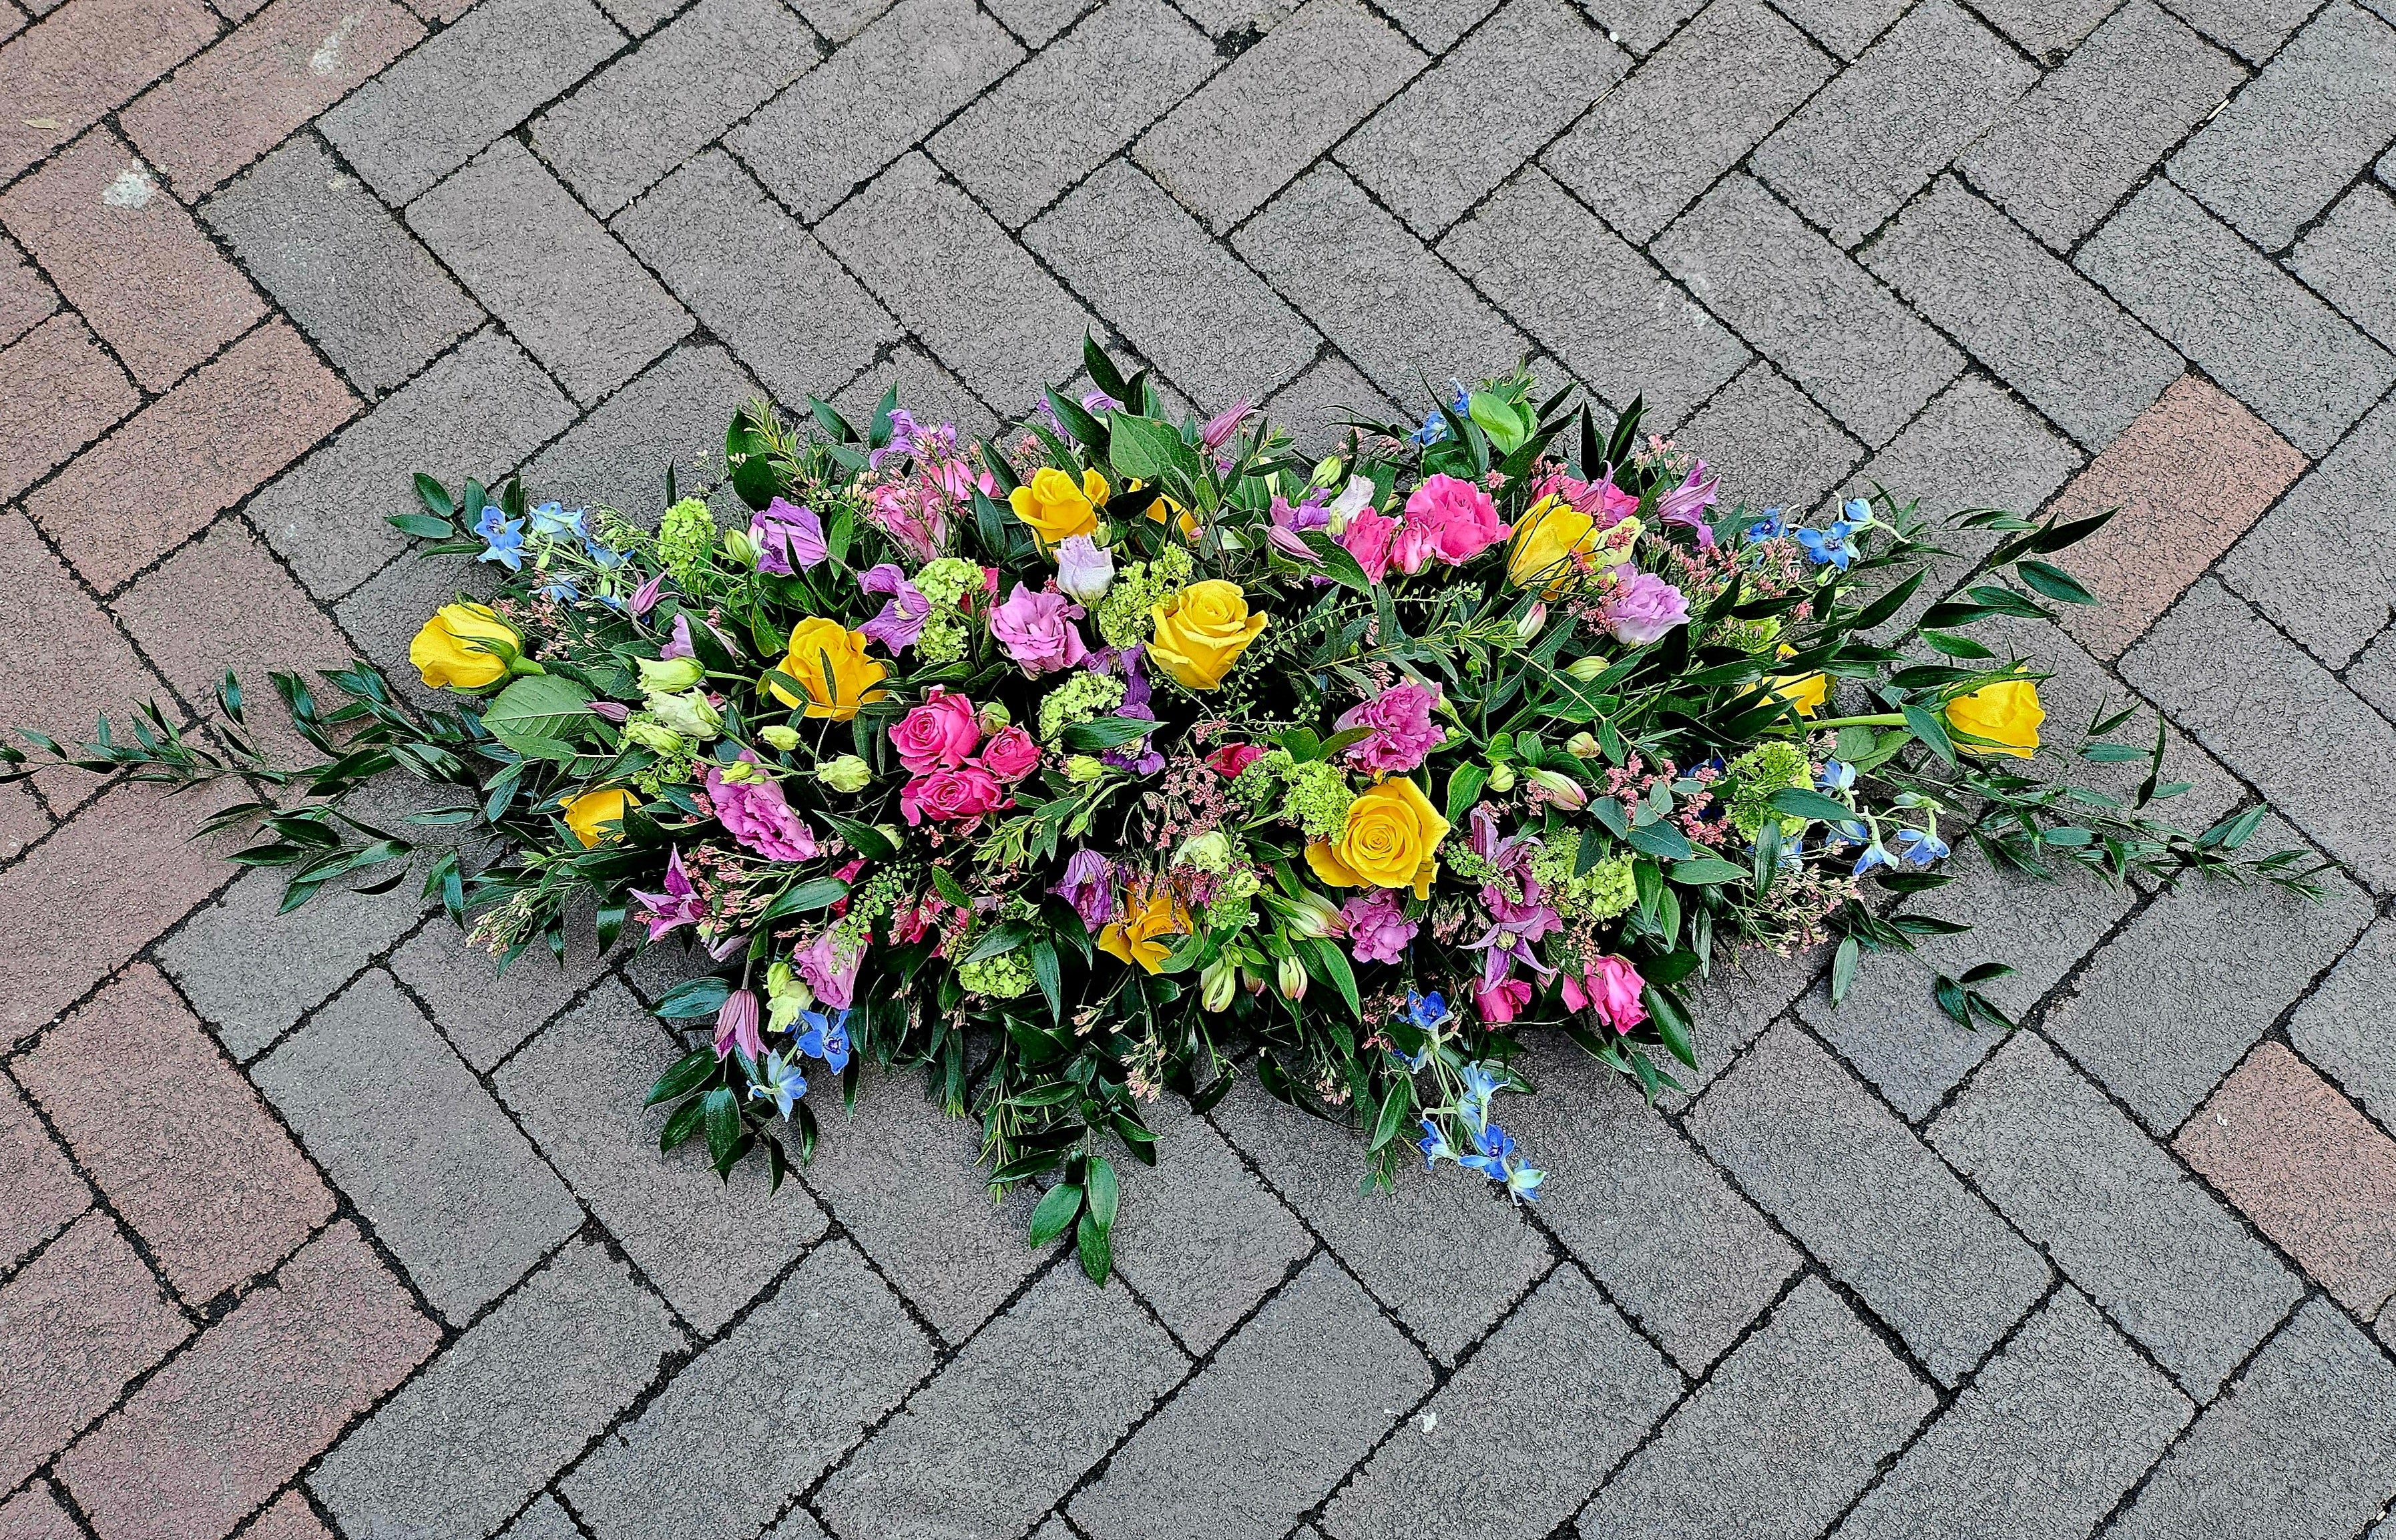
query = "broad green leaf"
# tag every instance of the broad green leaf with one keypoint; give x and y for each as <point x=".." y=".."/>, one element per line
<point x="537" y="708"/>
<point x="1055" y="1212"/>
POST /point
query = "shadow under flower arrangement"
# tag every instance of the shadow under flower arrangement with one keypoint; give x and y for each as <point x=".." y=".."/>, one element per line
<point x="1125" y="744"/>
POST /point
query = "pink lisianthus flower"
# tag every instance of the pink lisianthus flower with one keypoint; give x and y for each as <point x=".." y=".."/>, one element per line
<point x="1011" y="754"/>
<point x="1642" y="608"/>
<point x="829" y="970"/>
<point x="1037" y="630"/>
<point x="1502" y="1002"/>
<point x="1370" y="536"/>
<point x="939" y="735"/>
<point x="1400" y="734"/>
<point x="1379" y="930"/>
<point x="1610" y="988"/>
<point x="1449" y="519"/>
<point x="757" y="815"/>
<point x="952" y="796"/>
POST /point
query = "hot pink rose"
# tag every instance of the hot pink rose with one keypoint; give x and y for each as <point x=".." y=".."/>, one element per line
<point x="1398" y="727"/>
<point x="1369" y="537"/>
<point x="1233" y="758"/>
<point x="1611" y="988"/>
<point x="952" y="796"/>
<point x="1011" y="754"/>
<point x="1502" y="1002"/>
<point x="939" y="735"/>
<point x="1449" y="519"/>
<point x="1377" y="927"/>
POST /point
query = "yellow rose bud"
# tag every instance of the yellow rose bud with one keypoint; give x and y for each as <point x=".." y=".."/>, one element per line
<point x="588" y="813"/>
<point x="1391" y="841"/>
<point x="1055" y="509"/>
<point x="1547" y="543"/>
<point x="846" y="774"/>
<point x="1144" y="935"/>
<point x="1201" y="633"/>
<point x="779" y="736"/>
<point x="2006" y="714"/>
<point x="445" y="653"/>
<point x="854" y="680"/>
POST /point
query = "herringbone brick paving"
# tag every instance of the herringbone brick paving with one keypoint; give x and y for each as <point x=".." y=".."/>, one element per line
<point x="311" y="1227"/>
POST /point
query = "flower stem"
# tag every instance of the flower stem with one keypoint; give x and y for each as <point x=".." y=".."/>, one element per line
<point x="1885" y="719"/>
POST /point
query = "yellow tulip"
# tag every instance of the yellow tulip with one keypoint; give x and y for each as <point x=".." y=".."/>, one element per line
<point x="1202" y="632"/>
<point x="1806" y="691"/>
<point x="855" y="679"/>
<point x="587" y="812"/>
<point x="444" y="651"/>
<point x="2006" y="714"/>
<point x="1055" y="509"/>
<point x="1547" y="542"/>
<point x="1391" y="841"/>
<point x="1144" y="935"/>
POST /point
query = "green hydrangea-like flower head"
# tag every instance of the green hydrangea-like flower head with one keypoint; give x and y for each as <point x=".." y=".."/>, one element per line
<point x="1763" y="770"/>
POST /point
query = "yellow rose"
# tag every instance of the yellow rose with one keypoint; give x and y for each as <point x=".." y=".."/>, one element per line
<point x="1147" y="917"/>
<point x="1806" y="691"/>
<point x="586" y="812"/>
<point x="855" y="679"/>
<point x="1055" y="509"/>
<point x="1202" y="632"/>
<point x="1164" y="507"/>
<point x="1391" y="841"/>
<point x="2007" y="714"/>
<point x="1546" y="542"/>
<point x="444" y="652"/>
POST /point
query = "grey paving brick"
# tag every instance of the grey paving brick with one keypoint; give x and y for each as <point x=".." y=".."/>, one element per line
<point x="1822" y="319"/>
<point x="1605" y="309"/>
<point x="486" y="1424"/>
<point x="2121" y="1219"/>
<point x="2350" y="257"/>
<point x="1444" y="1256"/>
<point x="2040" y="1447"/>
<point x="1730" y="1006"/>
<point x="1066" y="1373"/>
<point x="338" y="262"/>
<point x="1314" y="407"/>
<point x="544" y="1521"/>
<point x="801" y="1525"/>
<point x="1436" y="149"/>
<point x="1870" y="139"/>
<point x="881" y="91"/>
<point x="2254" y="29"/>
<point x="1398" y="312"/>
<point x="839" y="21"/>
<point x="1846" y="27"/>
<point x="1615" y="1169"/>
<point x="2065" y="153"/>
<point x="640" y="117"/>
<point x="2170" y="1005"/>
<point x="251" y="974"/>
<point x="2340" y="505"/>
<point x="1836" y="1399"/>
<point x="709" y="1246"/>
<point x="2372" y="675"/>
<point x="1121" y="243"/>
<point x="450" y="1185"/>
<point x="1659" y="139"/>
<point x="1231" y="143"/>
<point x="2342" y="1028"/>
<point x="2046" y="28"/>
<point x="2265" y="339"/>
<point x="574" y="298"/>
<point x="1200" y="1237"/>
<point x="1304" y="1390"/>
<point x="2303" y="1444"/>
<point x="946" y="269"/>
<point x="1077" y="103"/>
<point x="902" y="1176"/>
<point x="1771" y="445"/>
<point x="1434" y="24"/>
<point x="671" y="416"/>
<point x="2292" y="141"/>
<point x="2035" y="323"/>
<point x="477" y="413"/>
<point x="758" y="1416"/>
<point x="1803" y="1139"/>
<point x="929" y="390"/>
<point x="1596" y="1386"/>
<point x="2274" y="715"/>
<point x="719" y="242"/>
<point x="435" y="110"/>
<point x="486" y="1013"/>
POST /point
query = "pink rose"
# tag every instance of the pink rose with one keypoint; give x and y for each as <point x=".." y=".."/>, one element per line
<point x="939" y="735"/>
<point x="757" y="815"/>
<point x="952" y="796"/>
<point x="1233" y="758"/>
<point x="1398" y="728"/>
<point x="1450" y="519"/>
<point x="1502" y="1002"/>
<point x="1377" y="927"/>
<point x="1605" y="503"/>
<point x="1611" y="988"/>
<point x="1369" y="537"/>
<point x="1011" y="755"/>
<point x="1037" y="630"/>
<point x="1643" y="608"/>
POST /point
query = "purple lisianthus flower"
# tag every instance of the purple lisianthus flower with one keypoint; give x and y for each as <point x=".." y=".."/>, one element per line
<point x="787" y="534"/>
<point x="1687" y="503"/>
<point x="1098" y="400"/>
<point x="1089" y="886"/>
<point x="679" y="644"/>
<point x="678" y="905"/>
<point x="1037" y="630"/>
<point x="1085" y="568"/>
<point x="1643" y="608"/>
<point x="1377" y="927"/>
<point x="1398" y="728"/>
<point x="902" y="617"/>
<point x="829" y="970"/>
<point x="758" y="815"/>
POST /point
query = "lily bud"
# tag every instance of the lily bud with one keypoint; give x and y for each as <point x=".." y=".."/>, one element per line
<point x="779" y="736"/>
<point x="740" y="547"/>
<point x="1217" y="982"/>
<point x="1582" y="746"/>
<point x="846" y="774"/>
<point x="1585" y="669"/>
<point x="1562" y="790"/>
<point x="670" y="675"/>
<point x="1293" y="978"/>
<point x="1501" y="778"/>
<point x="1534" y="621"/>
<point x="1316" y="917"/>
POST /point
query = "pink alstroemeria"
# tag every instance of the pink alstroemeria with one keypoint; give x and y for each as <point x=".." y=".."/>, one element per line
<point x="1686" y="504"/>
<point x="1224" y="424"/>
<point x="678" y="905"/>
<point x="736" y="1026"/>
<point x="645" y="598"/>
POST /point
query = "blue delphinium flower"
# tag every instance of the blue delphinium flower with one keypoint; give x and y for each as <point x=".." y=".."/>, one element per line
<point x="1857" y="511"/>
<point x="1831" y="545"/>
<point x="1876" y="855"/>
<point x="503" y="538"/>
<point x="552" y="520"/>
<point x="779" y="1083"/>
<point x="1920" y="849"/>
<point x="1773" y="524"/>
<point x="826" y="1038"/>
<point x="606" y="557"/>
<point x="1424" y="1012"/>
<point x="1522" y="1183"/>
<point x="1492" y="1147"/>
<point x="1479" y="1086"/>
<point x="1434" y="1146"/>
<point x="1838" y="775"/>
<point x="561" y="591"/>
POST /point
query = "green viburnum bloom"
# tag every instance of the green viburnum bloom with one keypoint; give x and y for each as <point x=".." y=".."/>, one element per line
<point x="1123" y="614"/>
<point x="1317" y="799"/>
<point x="1080" y="698"/>
<point x="1001" y="978"/>
<point x="1762" y="771"/>
<point x="685" y="537"/>
<point x="1603" y="891"/>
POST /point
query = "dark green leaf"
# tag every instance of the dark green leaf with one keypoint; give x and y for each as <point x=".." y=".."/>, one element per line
<point x="694" y="998"/>
<point x="1054" y="1211"/>
<point x="684" y="1076"/>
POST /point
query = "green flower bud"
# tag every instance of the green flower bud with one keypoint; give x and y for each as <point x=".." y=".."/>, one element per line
<point x="1582" y="746"/>
<point x="689" y="714"/>
<point x="670" y="675"/>
<point x="1586" y="668"/>
<point x="1217" y="982"/>
<point x="846" y="774"/>
<point x="1501" y="778"/>
<point x="1565" y="791"/>
<point x="1293" y="978"/>
<point x="655" y="736"/>
<point x="742" y="773"/>
<point x="1327" y="472"/>
<point x="784" y="739"/>
<point x="740" y="547"/>
<point x="1084" y="768"/>
<point x="1316" y="916"/>
<point x="993" y="715"/>
<point x="1534" y="621"/>
<point x="1207" y="852"/>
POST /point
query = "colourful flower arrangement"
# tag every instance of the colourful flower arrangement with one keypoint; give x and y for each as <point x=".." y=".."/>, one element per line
<point x="1126" y="753"/>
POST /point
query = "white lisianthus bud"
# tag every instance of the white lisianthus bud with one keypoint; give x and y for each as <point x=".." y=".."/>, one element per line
<point x="1327" y="471"/>
<point x="741" y="548"/>
<point x="689" y="713"/>
<point x="846" y="774"/>
<point x="655" y="736"/>
<point x="779" y="736"/>
<point x="1585" y="669"/>
<point x="1085" y="569"/>
<point x="670" y="675"/>
<point x="1082" y="769"/>
<point x="993" y="715"/>
<point x="742" y="773"/>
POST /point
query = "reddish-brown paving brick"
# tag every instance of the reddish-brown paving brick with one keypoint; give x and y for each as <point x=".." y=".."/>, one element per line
<point x="81" y="903"/>
<point x="76" y="1324"/>
<point x="2312" y="1171"/>
<point x="261" y="1394"/>
<point x="2190" y="476"/>
<point x="42" y="1192"/>
<point x="87" y="58"/>
<point x="25" y="296"/>
<point x="129" y="256"/>
<point x="289" y="1519"/>
<point x="223" y="431"/>
<point x="12" y="22"/>
<point x="88" y="667"/>
<point x="175" y="1136"/>
<point x="33" y="1514"/>
<point x="63" y="392"/>
<point x="247" y="94"/>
